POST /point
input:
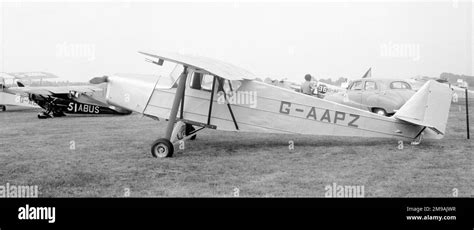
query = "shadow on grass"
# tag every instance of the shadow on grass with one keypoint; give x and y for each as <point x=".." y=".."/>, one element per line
<point x="282" y="141"/>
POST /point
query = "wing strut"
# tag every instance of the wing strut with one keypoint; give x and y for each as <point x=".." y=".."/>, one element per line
<point x="221" y="88"/>
<point x="181" y="110"/>
<point x="212" y="100"/>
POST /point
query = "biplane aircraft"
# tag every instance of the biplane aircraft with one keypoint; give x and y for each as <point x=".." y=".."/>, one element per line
<point x="58" y="100"/>
<point x="206" y="91"/>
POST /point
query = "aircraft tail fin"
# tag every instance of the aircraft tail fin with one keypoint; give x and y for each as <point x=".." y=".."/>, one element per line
<point x="368" y="74"/>
<point x="428" y="107"/>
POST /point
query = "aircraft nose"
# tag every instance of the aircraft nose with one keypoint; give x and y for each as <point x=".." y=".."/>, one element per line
<point x="128" y="91"/>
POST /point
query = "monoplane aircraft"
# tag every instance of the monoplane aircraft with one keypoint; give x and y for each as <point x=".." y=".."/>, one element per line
<point x="216" y="95"/>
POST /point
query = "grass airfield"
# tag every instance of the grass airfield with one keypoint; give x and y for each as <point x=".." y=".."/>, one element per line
<point x="109" y="156"/>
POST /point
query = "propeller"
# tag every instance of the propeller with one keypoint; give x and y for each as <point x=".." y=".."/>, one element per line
<point x="98" y="80"/>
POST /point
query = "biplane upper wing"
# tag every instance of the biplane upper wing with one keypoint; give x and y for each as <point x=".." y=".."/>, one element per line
<point x="32" y="75"/>
<point x="212" y="66"/>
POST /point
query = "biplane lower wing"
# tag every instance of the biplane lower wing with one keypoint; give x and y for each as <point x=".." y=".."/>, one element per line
<point x="16" y="100"/>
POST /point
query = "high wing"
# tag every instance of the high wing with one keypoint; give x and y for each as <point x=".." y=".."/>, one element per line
<point x="212" y="66"/>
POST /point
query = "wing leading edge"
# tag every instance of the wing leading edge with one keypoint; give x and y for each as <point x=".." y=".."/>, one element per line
<point x="213" y="66"/>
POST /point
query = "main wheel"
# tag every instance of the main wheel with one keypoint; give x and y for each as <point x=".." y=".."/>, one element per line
<point x="43" y="115"/>
<point x="162" y="148"/>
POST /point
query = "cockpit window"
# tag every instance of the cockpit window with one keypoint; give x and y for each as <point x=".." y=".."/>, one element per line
<point x="201" y="81"/>
<point x="169" y="73"/>
<point x="206" y="83"/>
<point x="195" y="82"/>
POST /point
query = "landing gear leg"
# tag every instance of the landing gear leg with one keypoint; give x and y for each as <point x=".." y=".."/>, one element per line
<point x="163" y="146"/>
<point x="190" y="129"/>
<point x="182" y="131"/>
<point x="47" y="112"/>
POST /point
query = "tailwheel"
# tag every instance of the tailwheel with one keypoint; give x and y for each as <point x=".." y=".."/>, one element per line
<point x="417" y="140"/>
<point x="162" y="148"/>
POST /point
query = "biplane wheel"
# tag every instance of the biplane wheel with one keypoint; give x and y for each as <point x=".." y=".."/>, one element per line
<point x="43" y="115"/>
<point x="190" y="129"/>
<point x="162" y="148"/>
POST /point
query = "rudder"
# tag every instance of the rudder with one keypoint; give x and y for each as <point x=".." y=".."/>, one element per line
<point x="428" y="107"/>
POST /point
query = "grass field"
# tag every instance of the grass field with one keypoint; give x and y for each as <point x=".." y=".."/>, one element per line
<point x="110" y="156"/>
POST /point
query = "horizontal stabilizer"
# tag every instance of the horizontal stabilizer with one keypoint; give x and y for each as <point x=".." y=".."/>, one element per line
<point x="428" y="107"/>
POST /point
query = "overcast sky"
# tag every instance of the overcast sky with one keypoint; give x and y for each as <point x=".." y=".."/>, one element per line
<point x="78" y="41"/>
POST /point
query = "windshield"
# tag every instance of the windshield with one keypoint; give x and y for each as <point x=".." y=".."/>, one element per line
<point x="169" y="73"/>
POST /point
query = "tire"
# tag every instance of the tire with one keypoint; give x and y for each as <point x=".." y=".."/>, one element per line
<point x="3" y="108"/>
<point x="380" y="111"/>
<point x="162" y="148"/>
<point x="190" y="129"/>
<point x="43" y="115"/>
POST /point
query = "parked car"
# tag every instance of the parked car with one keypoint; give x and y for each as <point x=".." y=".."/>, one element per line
<point x="381" y="96"/>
